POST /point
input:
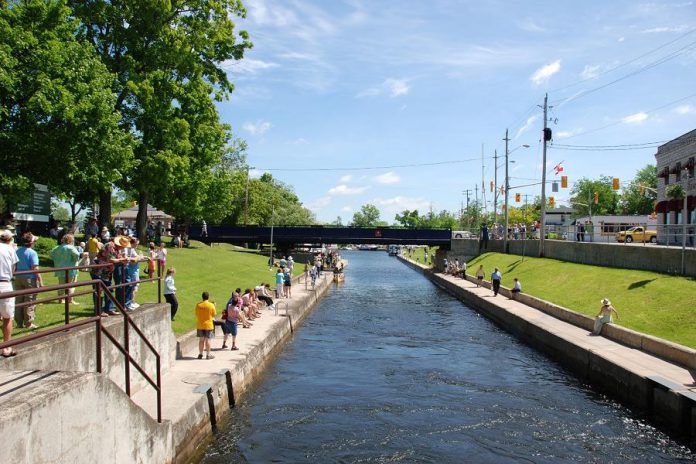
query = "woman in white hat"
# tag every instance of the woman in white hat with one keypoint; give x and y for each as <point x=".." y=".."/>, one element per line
<point x="604" y="316"/>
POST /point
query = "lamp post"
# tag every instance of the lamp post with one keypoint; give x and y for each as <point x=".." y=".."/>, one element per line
<point x="507" y="188"/>
<point x="685" y="218"/>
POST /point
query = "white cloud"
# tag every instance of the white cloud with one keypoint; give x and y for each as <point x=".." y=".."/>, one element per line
<point x="347" y="209"/>
<point x="388" y="178"/>
<point x="255" y="173"/>
<point x="621" y="39"/>
<point x="566" y="134"/>
<point x="655" y="30"/>
<point x="299" y="141"/>
<point x="346" y="178"/>
<point x="257" y="128"/>
<point x="391" y="87"/>
<point x="528" y="24"/>
<point x="527" y="125"/>
<point x="343" y="189"/>
<point x="635" y="118"/>
<point x="397" y="204"/>
<point x="685" y="109"/>
<point x="319" y="203"/>
<point x="247" y="65"/>
<point x="590" y="72"/>
<point x="543" y="74"/>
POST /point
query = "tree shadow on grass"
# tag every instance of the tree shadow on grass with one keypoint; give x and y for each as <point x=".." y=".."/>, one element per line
<point x="512" y="266"/>
<point x="640" y="283"/>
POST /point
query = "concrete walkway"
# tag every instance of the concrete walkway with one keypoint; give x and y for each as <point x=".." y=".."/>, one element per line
<point x="631" y="359"/>
<point x="191" y="385"/>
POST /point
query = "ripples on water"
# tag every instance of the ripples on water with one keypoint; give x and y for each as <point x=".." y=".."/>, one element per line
<point x="388" y="368"/>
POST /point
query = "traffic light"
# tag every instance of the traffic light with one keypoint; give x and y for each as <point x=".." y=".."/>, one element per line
<point x="552" y="201"/>
<point x="518" y="197"/>
<point x="548" y="134"/>
<point x="596" y="198"/>
<point x="564" y="182"/>
<point x="615" y="183"/>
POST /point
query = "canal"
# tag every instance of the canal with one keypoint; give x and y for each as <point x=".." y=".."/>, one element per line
<point x="389" y="368"/>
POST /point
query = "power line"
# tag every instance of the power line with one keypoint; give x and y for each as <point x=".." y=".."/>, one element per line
<point x="685" y="48"/>
<point x="607" y="71"/>
<point x="369" y="168"/>
<point x="611" y="146"/>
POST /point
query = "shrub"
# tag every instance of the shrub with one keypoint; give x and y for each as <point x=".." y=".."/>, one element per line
<point x="44" y="245"/>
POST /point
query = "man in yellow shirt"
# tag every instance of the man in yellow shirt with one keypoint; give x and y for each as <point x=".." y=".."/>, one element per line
<point x="205" y="313"/>
<point x="93" y="247"/>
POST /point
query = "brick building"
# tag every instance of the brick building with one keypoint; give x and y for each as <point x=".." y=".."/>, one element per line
<point x="675" y="164"/>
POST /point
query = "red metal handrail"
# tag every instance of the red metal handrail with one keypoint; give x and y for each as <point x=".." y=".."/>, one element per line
<point x="98" y="288"/>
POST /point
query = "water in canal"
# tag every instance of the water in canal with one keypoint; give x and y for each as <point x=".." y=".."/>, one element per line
<point x="388" y="368"/>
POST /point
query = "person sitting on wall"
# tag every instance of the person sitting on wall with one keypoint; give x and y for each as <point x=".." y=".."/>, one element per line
<point x="604" y="316"/>
<point x="517" y="289"/>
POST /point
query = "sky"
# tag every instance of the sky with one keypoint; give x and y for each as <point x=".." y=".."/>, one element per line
<point x="395" y="103"/>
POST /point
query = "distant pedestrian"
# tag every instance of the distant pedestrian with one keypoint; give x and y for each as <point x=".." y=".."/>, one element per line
<point x="162" y="256"/>
<point x="170" y="291"/>
<point x="496" y="277"/>
<point x="204" y="229"/>
<point x="231" y="325"/>
<point x="287" y="283"/>
<point x="463" y="269"/>
<point x="604" y="316"/>
<point x="66" y="255"/>
<point x="205" y="313"/>
<point x="517" y="289"/>
<point x="480" y="274"/>
<point x="280" y="279"/>
<point x="483" y="242"/>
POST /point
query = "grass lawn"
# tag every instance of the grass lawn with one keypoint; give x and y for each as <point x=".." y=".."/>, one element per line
<point x="418" y="255"/>
<point x="218" y="270"/>
<point x="649" y="302"/>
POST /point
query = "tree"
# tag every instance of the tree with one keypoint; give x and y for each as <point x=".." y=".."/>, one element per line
<point x="635" y="202"/>
<point x="408" y="219"/>
<point x="167" y="57"/>
<point x="57" y="120"/>
<point x="582" y="197"/>
<point x="368" y="216"/>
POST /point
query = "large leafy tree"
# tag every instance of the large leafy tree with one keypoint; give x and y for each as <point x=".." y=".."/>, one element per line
<point x="368" y="216"/>
<point x="409" y="219"/>
<point x="582" y="196"/>
<point x="57" y="120"/>
<point x="637" y="200"/>
<point x="167" y="56"/>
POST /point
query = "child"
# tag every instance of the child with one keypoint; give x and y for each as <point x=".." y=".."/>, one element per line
<point x="517" y="289"/>
<point x="162" y="255"/>
<point x="170" y="291"/>
<point x="205" y="313"/>
<point x="84" y="261"/>
<point x="480" y="274"/>
<point x="152" y="258"/>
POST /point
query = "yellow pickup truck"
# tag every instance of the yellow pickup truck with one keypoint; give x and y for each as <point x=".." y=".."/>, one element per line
<point x="637" y="234"/>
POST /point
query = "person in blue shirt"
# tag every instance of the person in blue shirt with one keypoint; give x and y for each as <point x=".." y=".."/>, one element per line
<point x="28" y="261"/>
<point x="280" y="280"/>
<point x="496" y="277"/>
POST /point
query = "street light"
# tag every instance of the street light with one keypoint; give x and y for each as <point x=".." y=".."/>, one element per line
<point x="507" y="187"/>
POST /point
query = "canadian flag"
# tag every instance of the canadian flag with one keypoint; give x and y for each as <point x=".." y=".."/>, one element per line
<point x="558" y="168"/>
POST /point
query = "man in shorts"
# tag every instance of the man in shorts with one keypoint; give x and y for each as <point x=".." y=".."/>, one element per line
<point x="205" y="314"/>
<point x="8" y="263"/>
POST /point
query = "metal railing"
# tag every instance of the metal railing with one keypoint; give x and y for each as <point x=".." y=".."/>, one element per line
<point x="101" y="292"/>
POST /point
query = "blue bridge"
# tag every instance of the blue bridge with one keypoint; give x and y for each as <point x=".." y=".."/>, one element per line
<point x="292" y="235"/>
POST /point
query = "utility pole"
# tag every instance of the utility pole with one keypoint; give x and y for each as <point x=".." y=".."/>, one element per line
<point x="543" y="180"/>
<point x="483" y="181"/>
<point x="495" y="188"/>
<point x="507" y="187"/>
<point x="466" y="192"/>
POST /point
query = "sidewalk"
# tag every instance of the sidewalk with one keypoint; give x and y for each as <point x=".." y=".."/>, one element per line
<point x="196" y="392"/>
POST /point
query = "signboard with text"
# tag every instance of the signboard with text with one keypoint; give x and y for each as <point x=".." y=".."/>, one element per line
<point x="38" y="208"/>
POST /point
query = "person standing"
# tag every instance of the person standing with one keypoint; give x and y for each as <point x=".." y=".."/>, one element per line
<point x="170" y="291"/>
<point x="280" y="279"/>
<point x="483" y="242"/>
<point x="66" y="255"/>
<point x="231" y="323"/>
<point x="480" y="274"/>
<point x="204" y="229"/>
<point x="496" y="277"/>
<point x="604" y="316"/>
<point x="8" y="263"/>
<point x="132" y="273"/>
<point x="205" y="313"/>
<point x="93" y="247"/>
<point x="28" y="261"/>
<point x="287" y="283"/>
<point x="162" y="256"/>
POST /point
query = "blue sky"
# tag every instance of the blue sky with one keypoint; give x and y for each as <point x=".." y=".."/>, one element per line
<point x="342" y="84"/>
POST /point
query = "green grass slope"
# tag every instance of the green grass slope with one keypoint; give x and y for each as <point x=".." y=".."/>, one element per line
<point x="649" y="302"/>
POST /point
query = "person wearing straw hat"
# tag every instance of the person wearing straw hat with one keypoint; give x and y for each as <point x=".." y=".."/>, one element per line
<point x="604" y="316"/>
<point x="28" y="261"/>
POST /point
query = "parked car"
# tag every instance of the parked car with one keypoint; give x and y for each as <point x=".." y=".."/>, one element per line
<point x="461" y="234"/>
<point x="637" y="234"/>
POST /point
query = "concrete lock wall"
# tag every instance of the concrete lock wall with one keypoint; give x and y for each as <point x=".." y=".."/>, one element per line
<point x="76" y="350"/>
<point x="669" y="404"/>
<point x="70" y="417"/>
<point x="648" y="257"/>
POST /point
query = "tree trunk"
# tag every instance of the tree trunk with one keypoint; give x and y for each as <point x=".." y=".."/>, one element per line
<point x="141" y="219"/>
<point x="105" y="208"/>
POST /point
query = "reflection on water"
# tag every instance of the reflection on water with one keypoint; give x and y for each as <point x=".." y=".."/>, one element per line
<point x="388" y="368"/>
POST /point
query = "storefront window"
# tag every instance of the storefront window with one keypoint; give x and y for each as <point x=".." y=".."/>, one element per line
<point x="679" y="217"/>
